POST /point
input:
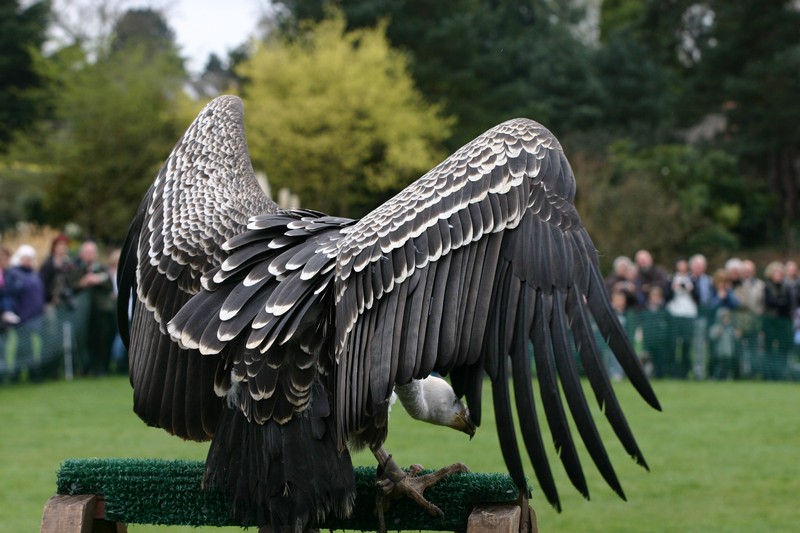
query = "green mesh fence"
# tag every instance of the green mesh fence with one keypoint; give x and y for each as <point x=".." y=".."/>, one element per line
<point x="718" y="344"/>
<point x="151" y="491"/>
<point x="79" y="340"/>
<point x="65" y="341"/>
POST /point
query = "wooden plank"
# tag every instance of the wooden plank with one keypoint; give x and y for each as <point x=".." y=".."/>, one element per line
<point x="494" y="518"/>
<point x="69" y="514"/>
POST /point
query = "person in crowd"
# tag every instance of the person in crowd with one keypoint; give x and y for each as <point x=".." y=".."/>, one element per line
<point x="702" y="294"/>
<point x="750" y="294"/>
<point x="619" y="302"/>
<point x="682" y="310"/>
<point x="91" y="277"/>
<point x="723" y="291"/>
<point x="119" y="354"/>
<point x="25" y="289"/>
<point x="792" y="274"/>
<point x="724" y="335"/>
<point x="703" y="287"/>
<point x="777" y="321"/>
<point x="792" y="280"/>
<point x="733" y="267"/>
<point x="56" y="272"/>
<point x="649" y="274"/>
<point x="796" y="326"/>
<point x="624" y="279"/>
<point x="750" y="291"/>
<point x="7" y="316"/>
<point x="655" y="334"/>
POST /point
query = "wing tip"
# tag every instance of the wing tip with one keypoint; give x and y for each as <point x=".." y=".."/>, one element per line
<point x="654" y="403"/>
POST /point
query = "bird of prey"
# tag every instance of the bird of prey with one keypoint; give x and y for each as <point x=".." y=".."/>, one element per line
<point x="280" y="335"/>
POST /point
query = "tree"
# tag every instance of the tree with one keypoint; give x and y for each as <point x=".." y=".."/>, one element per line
<point x="88" y="24"/>
<point x="486" y="62"/>
<point x="334" y="116"/>
<point x="114" y="122"/>
<point x="220" y="76"/>
<point x="747" y="68"/>
<point x="739" y="62"/>
<point x="671" y="199"/>
<point x="115" y="127"/>
<point x="143" y="27"/>
<point x="638" y="79"/>
<point x="21" y="32"/>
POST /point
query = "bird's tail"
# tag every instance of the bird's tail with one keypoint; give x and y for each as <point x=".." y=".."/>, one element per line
<point x="287" y="475"/>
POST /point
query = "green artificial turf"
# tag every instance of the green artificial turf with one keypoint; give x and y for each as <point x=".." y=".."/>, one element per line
<point x="723" y="456"/>
<point x="158" y="491"/>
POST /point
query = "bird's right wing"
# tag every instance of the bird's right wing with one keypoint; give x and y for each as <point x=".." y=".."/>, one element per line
<point x="460" y="273"/>
<point x="203" y="195"/>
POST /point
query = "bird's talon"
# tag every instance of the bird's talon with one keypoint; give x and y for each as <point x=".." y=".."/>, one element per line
<point x="394" y="483"/>
<point x="386" y="486"/>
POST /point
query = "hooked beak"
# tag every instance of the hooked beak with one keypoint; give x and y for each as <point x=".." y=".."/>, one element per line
<point x="463" y="423"/>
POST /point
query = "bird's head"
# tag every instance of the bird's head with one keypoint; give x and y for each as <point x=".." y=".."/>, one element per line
<point x="463" y="422"/>
<point x="444" y="407"/>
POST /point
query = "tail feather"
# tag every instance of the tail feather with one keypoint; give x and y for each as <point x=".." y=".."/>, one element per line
<point x="286" y="475"/>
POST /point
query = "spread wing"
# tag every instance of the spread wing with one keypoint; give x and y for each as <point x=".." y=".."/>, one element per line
<point x="461" y="272"/>
<point x="202" y="196"/>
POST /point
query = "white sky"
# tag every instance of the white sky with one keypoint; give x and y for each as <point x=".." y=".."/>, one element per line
<point x="205" y="26"/>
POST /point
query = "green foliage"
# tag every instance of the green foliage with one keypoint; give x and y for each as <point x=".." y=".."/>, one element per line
<point x="114" y="121"/>
<point x="740" y="61"/>
<point x="22" y="32"/>
<point x="634" y="88"/>
<point x="114" y="129"/>
<point x="143" y="27"/>
<point x="486" y="62"/>
<point x="334" y="116"/>
<point x="671" y="199"/>
<point x="20" y="193"/>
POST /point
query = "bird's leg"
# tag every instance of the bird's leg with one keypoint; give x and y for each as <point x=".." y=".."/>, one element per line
<point x="394" y="483"/>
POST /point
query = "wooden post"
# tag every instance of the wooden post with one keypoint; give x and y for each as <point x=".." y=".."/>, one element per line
<point x="500" y="518"/>
<point x="77" y="514"/>
<point x="494" y="519"/>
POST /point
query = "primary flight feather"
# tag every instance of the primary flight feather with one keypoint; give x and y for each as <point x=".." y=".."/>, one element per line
<point x="281" y="334"/>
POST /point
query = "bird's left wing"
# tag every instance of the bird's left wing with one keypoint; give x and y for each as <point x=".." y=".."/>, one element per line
<point x="463" y="269"/>
<point x="203" y="195"/>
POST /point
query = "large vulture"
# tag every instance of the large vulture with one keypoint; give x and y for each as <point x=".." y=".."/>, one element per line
<point x="281" y="334"/>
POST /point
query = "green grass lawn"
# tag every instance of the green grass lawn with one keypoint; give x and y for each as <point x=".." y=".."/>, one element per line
<point x="723" y="456"/>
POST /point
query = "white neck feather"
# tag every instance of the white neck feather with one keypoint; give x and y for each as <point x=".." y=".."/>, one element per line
<point x="412" y="396"/>
<point x="430" y="400"/>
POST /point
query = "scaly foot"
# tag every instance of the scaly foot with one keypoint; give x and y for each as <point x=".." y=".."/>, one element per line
<point x="394" y="483"/>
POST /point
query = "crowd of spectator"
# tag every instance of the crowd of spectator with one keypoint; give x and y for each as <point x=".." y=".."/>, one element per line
<point x="29" y="295"/>
<point x="725" y="324"/>
<point x="689" y="323"/>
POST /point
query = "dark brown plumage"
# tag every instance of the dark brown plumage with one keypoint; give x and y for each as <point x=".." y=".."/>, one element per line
<point x="283" y="333"/>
